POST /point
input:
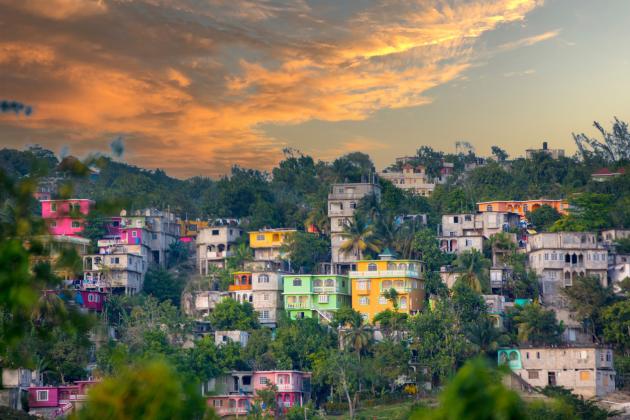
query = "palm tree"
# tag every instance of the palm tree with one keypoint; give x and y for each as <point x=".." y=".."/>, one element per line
<point x="50" y="309"/>
<point x="392" y="296"/>
<point x="358" y="337"/>
<point x="242" y="253"/>
<point x="474" y="266"/>
<point x="359" y="236"/>
<point x="318" y="217"/>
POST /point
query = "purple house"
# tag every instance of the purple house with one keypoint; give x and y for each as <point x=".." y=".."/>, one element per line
<point x="55" y="401"/>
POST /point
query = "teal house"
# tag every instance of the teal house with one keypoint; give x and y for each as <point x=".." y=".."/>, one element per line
<point x="315" y="295"/>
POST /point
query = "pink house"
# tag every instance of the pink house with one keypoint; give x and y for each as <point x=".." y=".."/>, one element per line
<point x="237" y="391"/>
<point x="55" y="401"/>
<point x="65" y="217"/>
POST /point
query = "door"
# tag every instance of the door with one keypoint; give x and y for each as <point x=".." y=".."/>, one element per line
<point x="551" y="378"/>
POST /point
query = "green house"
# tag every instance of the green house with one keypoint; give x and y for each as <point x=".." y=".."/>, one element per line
<point x="315" y="295"/>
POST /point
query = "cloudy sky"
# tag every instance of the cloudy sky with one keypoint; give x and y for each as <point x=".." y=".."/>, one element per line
<point x="194" y="86"/>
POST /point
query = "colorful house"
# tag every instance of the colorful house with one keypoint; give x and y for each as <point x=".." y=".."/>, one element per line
<point x="315" y="295"/>
<point x="57" y="401"/>
<point x="522" y="207"/>
<point x="66" y="217"/>
<point x="241" y="289"/>
<point x="266" y="243"/>
<point x="236" y="392"/>
<point x="374" y="277"/>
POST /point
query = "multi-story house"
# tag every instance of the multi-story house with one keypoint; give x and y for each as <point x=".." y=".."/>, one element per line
<point x="57" y="401"/>
<point x="235" y="394"/>
<point x="214" y="244"/>
<point x="189" y="229"/>
<point x="467" y="231"/>
<point x="587" y="371"/>
<point x="315" y="296"/>
<point x="66" y="217"/>
<point x="132" y="240"/>
<point x="412" y="179"/>
<point x="522" y="207"/>
<point x="267" y="293"/>
<point x="554" y="153"/>
<point x="116" y="272"/>
<point x="241" y="289"/>
<point x="235" y="336"/>
<point x="162" y="227"/>
<point x="199" y="304"/>
<point x="56" y="245"/>
<point x="374" y="277"/>
<point x="267" y="243"/>
<point x="558" y="258"/>
<point x="15" y="381"/>
<point x="342" y="203"/>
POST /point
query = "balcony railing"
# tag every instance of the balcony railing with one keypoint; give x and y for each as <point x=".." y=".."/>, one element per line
<point x="236" y="287"/>
<point x="288" y="388"/>
<point x="385" y="273"/>
<point x="325" y="289"/>
<point x="299" y="305"/>
<point x="399" y="289"/>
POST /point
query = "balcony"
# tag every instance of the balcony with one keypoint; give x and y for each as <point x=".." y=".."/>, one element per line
<point x="288" y="388"/>
<point x="299" y="305"/>
<point x="218" y="255"/>
<point x="385" y="273"/>
<point x="237" y="287"/>
<point x="325" y="289"/>
<point x="399" y="289"/>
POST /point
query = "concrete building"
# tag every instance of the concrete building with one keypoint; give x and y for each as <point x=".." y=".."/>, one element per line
<point x="342" y="203"/>
<point x="586" y="371"/>
<point x="163" y="229"/>
<point x="58" y="401"/>
<point x="267" y="290"/>
<point x="214" y="244"/>
<point x="466" y="231"/>
<point x="558" y="258"/>
<point x="14" y="383"/>
<point x="610" y="236"/>
<point x="374" y="277"/>
<point x="199" y="304"/>
<point x="116" y="272"/>
<point x="241" y="289"/>
<point x="267" y="243"/>
<point x="236" y="336"/>
<point x="412" y="179"/>
<point x="605" y="174"/>
<point x="554" y="153"/>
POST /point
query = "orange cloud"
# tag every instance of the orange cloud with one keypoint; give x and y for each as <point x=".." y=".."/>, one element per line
<point x="189" y="84"/>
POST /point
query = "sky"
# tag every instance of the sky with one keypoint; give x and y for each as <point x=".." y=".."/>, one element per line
<point x="196" y="86"/>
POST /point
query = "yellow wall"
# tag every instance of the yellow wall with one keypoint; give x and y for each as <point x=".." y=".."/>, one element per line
<point x="415" y="296"/>
<point x="183" y="227"/>
<point x="271" y="239"/>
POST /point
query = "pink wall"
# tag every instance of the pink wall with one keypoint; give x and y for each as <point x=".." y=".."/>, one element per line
<point x="53" y="397"/>
<point x="60" y="218"/>
<point x="127" y="237"/>
<point x="293" y="384"/>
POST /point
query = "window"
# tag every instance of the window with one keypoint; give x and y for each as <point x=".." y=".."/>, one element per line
<point x="263" y="278"/>
<point x="264" y="314"/>
<point x="134" y="233"/>
<point x="382" y="300"/>
<point x="340" y="222"/>
<point x="387" y="284"/>
<point x="527" y="355"/>
<point x="537" y="355"/>
<point x="217" y="403"/>
<point x="372" y="267"/>
<point x="363" y="285"/>
<point x="154" y="236"/>
<point x="532" y="374"/>
<point x="215" y="232"/>
<point x="263" y="380"/>
<point x="468" y="218"/>
<point x="330" y="283"/>
<point x="115" y="260"/>
<point x="364" y="300"/>
<point x="297" y="282"/>
<point x="488" y="208"/>
<point x="585" y="375"/>
<point x="468" y="242"/>
<point x="353" y="205"/>
<point x="403" y="302"/>
<point x="76" y="224"/>
<point x="53" y="206"/>
<point x="265" y="296"/>
<point x="42" y="395"/>
<point x="53" y="223"/>
<point x="260" y="237"/>
<point x="322" y="299"/>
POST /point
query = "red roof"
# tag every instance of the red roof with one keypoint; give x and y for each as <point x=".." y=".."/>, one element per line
<point x="606" y="171"/>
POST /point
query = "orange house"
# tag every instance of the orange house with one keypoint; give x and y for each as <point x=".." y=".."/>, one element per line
<point x="522" y="207"/>
<point x="241" y="289"/>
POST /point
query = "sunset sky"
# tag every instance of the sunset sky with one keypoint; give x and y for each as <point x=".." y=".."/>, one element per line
<point x="195" y="86"/>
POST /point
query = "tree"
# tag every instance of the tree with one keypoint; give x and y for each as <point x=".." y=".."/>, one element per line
<point x="391" y="323"/>
<point x="427" y="245"/>
<point x="586" y="298"/>
<point x="475" y="393"/>
<point x="614" y="147"/>
<point x="241" y="254"/>
<point x="536" y="325"/>
<point x="543" y="217"/>
<point x="151" y="390"/>
<point x="591" y="211"/>
<point x="306" y="250"/>
<point x="232" y="315"/>
<point x="178" y="253"/>
<point x="616" y="321"/>
<point x="359" y="236"/>
<point x="342" y="372"/>
<point x="474" y="267"/>
<point x="499" y="153"/>
<point x="163" y="285"/>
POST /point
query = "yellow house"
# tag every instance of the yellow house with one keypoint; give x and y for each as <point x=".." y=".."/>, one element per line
<point x="266" y="243"/>
<point x="373" y="277"/>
